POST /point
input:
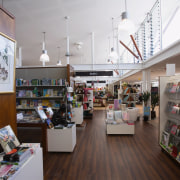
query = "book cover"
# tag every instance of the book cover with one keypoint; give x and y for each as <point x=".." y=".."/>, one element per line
<point x="178" y="131"/>
<point x="173" y="129"/>
<point x="4" y="170"/>
<point x="165" y="139"/>
<point x="8" y="139"/>
<point x="18" y="155"/>
<point x="41" y="113"/>
<point x="169" y="125"/>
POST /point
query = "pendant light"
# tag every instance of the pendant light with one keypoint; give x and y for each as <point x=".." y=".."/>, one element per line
<point x="44" y="56"/>
<point x="113" y="55"/>
<point x="126" y="24"/>
<point x="59" y="61"/>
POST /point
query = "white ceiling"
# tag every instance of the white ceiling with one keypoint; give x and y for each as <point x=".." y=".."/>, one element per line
<point x="36" y="16"/>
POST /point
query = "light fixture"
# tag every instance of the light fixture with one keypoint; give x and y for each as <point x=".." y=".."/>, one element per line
<point x="126" y="24"/>
<point x="59" y="61"/>
<point x="113" y="54"/>
<point x="44" y="56"/>
<point x="78" y="45"/>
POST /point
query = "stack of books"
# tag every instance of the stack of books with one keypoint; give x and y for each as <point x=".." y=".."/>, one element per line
<point x="14" y="155"/>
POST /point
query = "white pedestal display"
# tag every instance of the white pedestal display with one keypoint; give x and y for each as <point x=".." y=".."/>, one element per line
<point x="61" y="140"/>
<point x="122" y="128"/>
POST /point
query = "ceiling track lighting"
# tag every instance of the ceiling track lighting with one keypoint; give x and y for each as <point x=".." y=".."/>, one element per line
<point x="44" y="56"/>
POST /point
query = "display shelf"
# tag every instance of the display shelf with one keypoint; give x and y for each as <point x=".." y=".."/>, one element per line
<point x="43" y="97"/>
<point x="88" y="103"/>
<point x="128" y="96"/>
<point x="169" y="134"/>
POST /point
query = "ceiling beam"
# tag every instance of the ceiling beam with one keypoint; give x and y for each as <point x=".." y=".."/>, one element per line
<point x="121" y="66"/>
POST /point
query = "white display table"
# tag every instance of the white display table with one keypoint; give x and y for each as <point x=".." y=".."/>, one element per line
<point x="61" y="140"/>
<point x="31" y="169"/>
<point x="122" y="128"/>
<point x="77" y="115"/>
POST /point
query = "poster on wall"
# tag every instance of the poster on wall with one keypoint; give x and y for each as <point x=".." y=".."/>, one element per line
<point x="7" y="64"/>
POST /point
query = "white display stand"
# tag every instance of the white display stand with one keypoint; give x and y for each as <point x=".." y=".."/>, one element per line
<point x="31" y="169"/>
<point x="168" y="96"/>
<point x="61" y="140"/>
<point x="77" y="115"/>
<point x="122" y="128"/>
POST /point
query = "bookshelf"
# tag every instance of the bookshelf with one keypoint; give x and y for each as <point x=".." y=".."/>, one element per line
<point x="44" y="86"/>
<point x="129" y="96"/>
<point x="169" y="134"/>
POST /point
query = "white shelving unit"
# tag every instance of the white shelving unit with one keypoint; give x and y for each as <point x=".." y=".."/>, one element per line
<point x="61" y="140"/>
<point x="166" y="113"/>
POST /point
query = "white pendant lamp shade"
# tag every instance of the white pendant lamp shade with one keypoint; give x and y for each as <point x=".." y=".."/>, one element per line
<point x="44" y="56"/>
<point x="126" y="24"/>
<point x="59" y="63"/>
<point x="113" y="56"/>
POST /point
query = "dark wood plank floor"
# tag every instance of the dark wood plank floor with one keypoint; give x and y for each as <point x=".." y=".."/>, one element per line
<point x="112" y="157"/>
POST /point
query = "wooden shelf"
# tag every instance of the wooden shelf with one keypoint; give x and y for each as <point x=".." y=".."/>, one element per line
<point x="43" y="97"/>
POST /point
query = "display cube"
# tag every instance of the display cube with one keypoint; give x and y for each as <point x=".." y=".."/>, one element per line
<point x="61" y="140"/>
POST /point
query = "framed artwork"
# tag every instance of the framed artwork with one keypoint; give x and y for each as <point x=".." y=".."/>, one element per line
<point x="7" y="64"/>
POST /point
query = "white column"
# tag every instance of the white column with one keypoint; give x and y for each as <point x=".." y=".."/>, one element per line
<point x="146" y="84"/>
<point x="67" y="57"/>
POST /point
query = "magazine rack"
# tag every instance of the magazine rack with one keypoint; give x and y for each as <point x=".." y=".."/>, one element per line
<point x="169" y="136"/>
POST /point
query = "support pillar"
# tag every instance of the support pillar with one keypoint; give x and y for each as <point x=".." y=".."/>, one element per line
<point x="146" y="85"/>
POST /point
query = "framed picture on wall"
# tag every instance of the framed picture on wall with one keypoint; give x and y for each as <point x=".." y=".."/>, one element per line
<point x="7" y="64"/>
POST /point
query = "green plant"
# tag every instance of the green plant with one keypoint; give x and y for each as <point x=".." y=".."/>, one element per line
<point x="145" y="97"/>
<point x="154" y="101"/>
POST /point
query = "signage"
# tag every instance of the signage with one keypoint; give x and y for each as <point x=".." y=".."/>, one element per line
<point x="94" y="73"/>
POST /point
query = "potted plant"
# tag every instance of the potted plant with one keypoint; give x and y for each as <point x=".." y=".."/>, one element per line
<point x="154" y="102"/>
<point x="145" y="97"/>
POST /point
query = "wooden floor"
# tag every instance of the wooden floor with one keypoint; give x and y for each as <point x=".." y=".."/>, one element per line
<point x="98" y="156"/>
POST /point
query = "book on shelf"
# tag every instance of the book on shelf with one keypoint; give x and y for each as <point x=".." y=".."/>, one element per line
<point x="178" y="131"/>
<point x="165" y="138"/>
<point x="41" y="113"/>
<point x="4" y="170"/>
<point x="14" y="153"/>
<point x="20" y="154"/>
<point x="169" y="125"/>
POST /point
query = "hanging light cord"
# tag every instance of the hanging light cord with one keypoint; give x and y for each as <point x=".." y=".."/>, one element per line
<point x="113" y="30"/>
<point x="2" y="3"/>
<point x="44" y="48"/>
<point x="58" y="53"/>
<point x="125" y="6"/>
